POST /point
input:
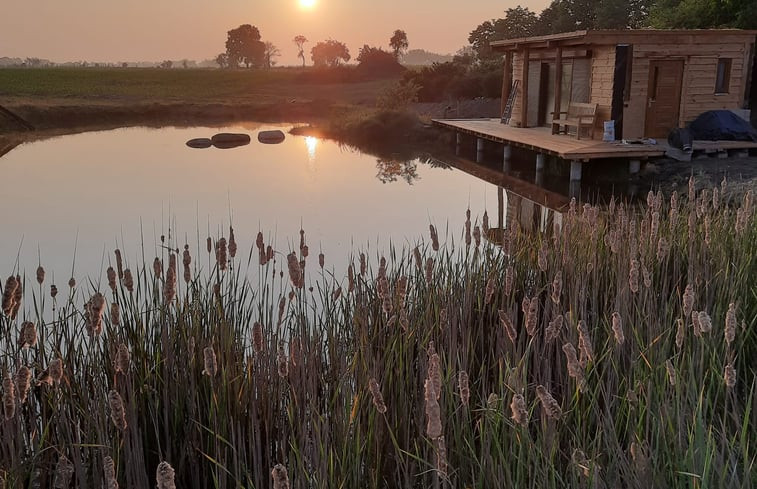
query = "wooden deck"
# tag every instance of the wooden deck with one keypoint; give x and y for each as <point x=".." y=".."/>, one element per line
<point x="541" y="139"/>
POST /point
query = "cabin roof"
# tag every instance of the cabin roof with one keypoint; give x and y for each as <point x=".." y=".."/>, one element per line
<point x="576" y="38"/>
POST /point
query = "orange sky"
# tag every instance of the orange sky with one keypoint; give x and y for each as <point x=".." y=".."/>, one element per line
<point x="139" y="30"/>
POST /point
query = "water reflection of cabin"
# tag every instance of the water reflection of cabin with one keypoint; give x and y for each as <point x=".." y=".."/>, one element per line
<point x="647" y="81"/>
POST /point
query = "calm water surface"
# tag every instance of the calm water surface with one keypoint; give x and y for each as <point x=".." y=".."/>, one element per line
<point x="83" y="195"/>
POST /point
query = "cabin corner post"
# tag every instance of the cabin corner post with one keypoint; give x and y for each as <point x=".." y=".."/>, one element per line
<point x="524" y="90"/>
<point x="507" y="80"/>
<point x="558" y="87"/>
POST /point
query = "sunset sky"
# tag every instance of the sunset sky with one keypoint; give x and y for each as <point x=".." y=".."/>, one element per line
<point x="140" y="30"/>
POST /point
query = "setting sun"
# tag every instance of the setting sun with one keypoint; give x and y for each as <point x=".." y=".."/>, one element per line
<point x="307" y="4"/>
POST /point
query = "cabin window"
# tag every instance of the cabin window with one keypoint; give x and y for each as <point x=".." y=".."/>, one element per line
<point x="723" y="77"/>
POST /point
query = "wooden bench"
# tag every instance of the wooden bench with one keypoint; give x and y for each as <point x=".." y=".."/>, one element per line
<point x="578" y="115"/>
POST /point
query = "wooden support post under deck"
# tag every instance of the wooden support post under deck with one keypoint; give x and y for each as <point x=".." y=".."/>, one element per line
<point x="634" y="166"/>
<point x="524" y="91"/>
<point x="558" y="87"/>
<point x="541" y="158"/>
<point x="507" y="153"/>
<point x="507" y="81"/>
<point x="575" y="170"/>
<point x="500" y="207"/>
<point x="574" y="190"/>
<point x="479" y="150"/>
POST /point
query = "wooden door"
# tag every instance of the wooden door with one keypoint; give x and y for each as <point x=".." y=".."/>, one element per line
<point x="663" y="97"/>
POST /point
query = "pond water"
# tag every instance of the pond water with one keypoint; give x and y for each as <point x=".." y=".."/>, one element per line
<point x="70" y="201"/>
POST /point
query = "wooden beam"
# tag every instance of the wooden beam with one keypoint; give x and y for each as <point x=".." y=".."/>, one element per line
<point x="507" y="80"/>
<point x="524" y="91"/>
<point x="558" y="85"/>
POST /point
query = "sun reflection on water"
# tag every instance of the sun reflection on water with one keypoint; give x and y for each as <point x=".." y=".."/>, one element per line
<point x="311" y="143"/>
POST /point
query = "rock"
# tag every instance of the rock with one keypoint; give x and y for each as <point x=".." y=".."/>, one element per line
<point x="200" y="143"/>
<point x="271" y="137"/>
<point x="227" y="137"/>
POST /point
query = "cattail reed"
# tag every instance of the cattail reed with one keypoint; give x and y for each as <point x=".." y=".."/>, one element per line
<point x="123" y="359"/>
<point x="117" y="411"/>
<point x="232" y="243"/>
<point x="282" y="306"/>
<point x="9" y="293"/>
<point x="23" y="379"/>
<point x="574" y="368"/>
<point x="111" y="274"/>
<point x="463" y="387"/>
<point x="492" y="401"/>
<point x="553" y="329"/>
<point x="705" y="323"/>
<point x="507" y="324"/>
<point x="115" y="314"/>
<point x="119" y="264"/>
<point x="695" y="324"/>
<point x="9" y="397"/>
<point x="662" y="249"/>
<point x="164" y="476"/>
<point x="671" y="372"/>
<point x="53" y="291"/>
<point x="364" y="264"/>
<point x="71" y="283"/>
<point x="586" y="351"/>
<point x="55" y="370"/>
<point x="350" y="279"/>
<point x="429" y="269"/>
<point x="557" y="287"/>
<point x="519" y="411"/>
<point x="295" y="271"/>
<point x="532" y="314"/>
<point x="186" y="261"/>
<point x="467" y="233"/>
<point x="109" y="473"/>
<point x="578" y="457"/>
<point x="509" y="278"/>
<point x="729" y="375"/>
<point x="548" y="403"/>
<point x="730" y="324"/>
<point x="282" y="362"/>
<point x="485" y="223"/>
<point x="435" y="373"/>
<point x="441" y="457"/>
<point x="128" y="280"/>
<point x="302" y="242"/>
<point x="680" y="333"/>
<point x="295" y="352"/>
<point x="336" y="294"/>
<point x="222" y="259"/>
<point x="401" y="291"/>
<point x="633" y="276"/>
<point x="434" y="237"/>
<point x="257" y="337"/>
<point x="64" y="471"/>
<point x="27" y="337"/>
<point x="209" y="362"/>
<point x="617" y="328"/>
<point x="688" y="300"/>
<point x="93" y="315"/>
<point x="489" y="289"/>
<point x="169" y="286"/>
<point x="378" y="399"/>
<point x="18" y="296"/>
<point x="322" y="260"/>
<point x="280" y="477"/>
<point x="382" y="268"/>
<point x="433" y="411"/>
<point x="40" y="274"/>
<point x="157" y="267"/>
<point x="477" y="235"/>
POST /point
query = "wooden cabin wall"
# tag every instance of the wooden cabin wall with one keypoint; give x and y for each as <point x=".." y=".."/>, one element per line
<point x="700" y="71"/>
<point x="602" y="73"/>
<point x="515" y="118"/>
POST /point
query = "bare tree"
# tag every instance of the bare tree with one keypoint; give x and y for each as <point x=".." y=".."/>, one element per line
<point x="271" y="51"/>
<point x="300" y="41"/>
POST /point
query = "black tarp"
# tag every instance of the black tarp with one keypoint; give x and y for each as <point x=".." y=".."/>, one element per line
<point x="721" y="125"/>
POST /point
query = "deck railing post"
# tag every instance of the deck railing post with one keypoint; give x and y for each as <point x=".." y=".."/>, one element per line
<point x="575" y="170"/>
<point x="507" y="154"/>
<point x="479" y="150"/>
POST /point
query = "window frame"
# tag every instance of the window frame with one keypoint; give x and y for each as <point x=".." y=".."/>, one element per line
<point x="723" y="76"/>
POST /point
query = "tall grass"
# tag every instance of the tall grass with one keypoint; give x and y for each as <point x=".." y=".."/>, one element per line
<point x="448" y="368"/>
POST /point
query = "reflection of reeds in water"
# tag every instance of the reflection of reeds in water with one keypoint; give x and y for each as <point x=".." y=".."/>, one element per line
<point x="473" y="376"/>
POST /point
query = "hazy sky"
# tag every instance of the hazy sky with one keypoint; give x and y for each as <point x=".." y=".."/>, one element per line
<point x="141" y="30"/>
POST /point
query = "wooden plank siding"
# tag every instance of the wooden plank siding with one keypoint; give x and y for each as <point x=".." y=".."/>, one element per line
<point x="602" y="74"/>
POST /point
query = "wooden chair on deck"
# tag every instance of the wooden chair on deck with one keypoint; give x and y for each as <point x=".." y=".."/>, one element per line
<point x="578" y="115"/>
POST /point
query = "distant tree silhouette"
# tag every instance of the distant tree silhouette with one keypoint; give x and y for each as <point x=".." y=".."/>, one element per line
<point x="271" y="51"/>
<point x="329" y="53"/>
<point x="243" y="45"/>
<point x="398" y="43"/>
<point x="222" y="60"/>
<point x="300" y="41"/>
<point x="518" y="22"/>
<point x="167" y="64"/>
<point x="377" y="62"/>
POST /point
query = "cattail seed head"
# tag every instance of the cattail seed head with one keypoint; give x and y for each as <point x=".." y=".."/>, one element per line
<point x="509" y="278"/>
<point x="71" y="282"/>
<point x="23" y="380"/>
<point x="434" y="237"/>
<point x="519" y="411"/>
<point x="295" y="271"/>
<point x="435" y="373"/>
<point x="542" y="258"/>
<point x="730" y="324"/>
<point x="729" y="375"/>
<point x="688" y="300"/>
<point x="9" y="397"/>
<point x="477" y="235"/>
<point x="433" y="411"/>
<point x="157" y="267"/>
<point x="507" y="324"/>
<point x="584" y="344"/>
<point x="280" y="477"/>
<point x="232" y="243"/>
<point x="209" y="361"/>
<point x="123" y="359"/>
<point x="441" y="457"/>
<point x="40" y="274"/>
<point x="557" y="287"/>
<point x="378" y="399"/>
<point x="119" y="264"/>
<point x="531" y="308"/>
<point x="117" y="411"/>
<point x="429" y="269"/>
<point x="680" y="333"/>
<point x="489" y="293"/>
<point x="485" y="222"/>
<point x="671" y="372"/>
<point x="257" y="337"/>
<point x="64" y="471"/>
<point x="164" y="476"/>
<point x="115" y="314"/>
<point x="705" y="323"/>
<point x="282" y="362"/>
<point x="295" y="352"/>
<point x="322" y="260"/>
<point x="93" y="315"/>
<point x="55" y="370"/>
<point x="617" y="328"/>
<point x="53" y="291"/>
<point x="633" y="276"/>
<point x="549" y="404"/>
<point x="553" y="329"/>
<point x="186" y="261"/>
<point x="109" y="473"/>
<point x="463" y="387"/>
<point x="350" y="279"/>
<point x="695" y="324"/>
<point x="128" y="280"/>
<point x="27" y="337"/>
<point x="222" y="259"/>
<point x="169" y="286"/>
<point x="574" y="368"/>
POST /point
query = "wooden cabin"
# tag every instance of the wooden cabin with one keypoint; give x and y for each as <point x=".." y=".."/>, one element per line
<point x="647" y="81"/>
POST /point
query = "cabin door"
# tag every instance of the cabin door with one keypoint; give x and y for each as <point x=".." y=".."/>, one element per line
<point x="663" y="97"/>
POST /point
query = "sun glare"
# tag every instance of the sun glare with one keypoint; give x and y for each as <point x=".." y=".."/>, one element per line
<point x="307" y="4"/>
